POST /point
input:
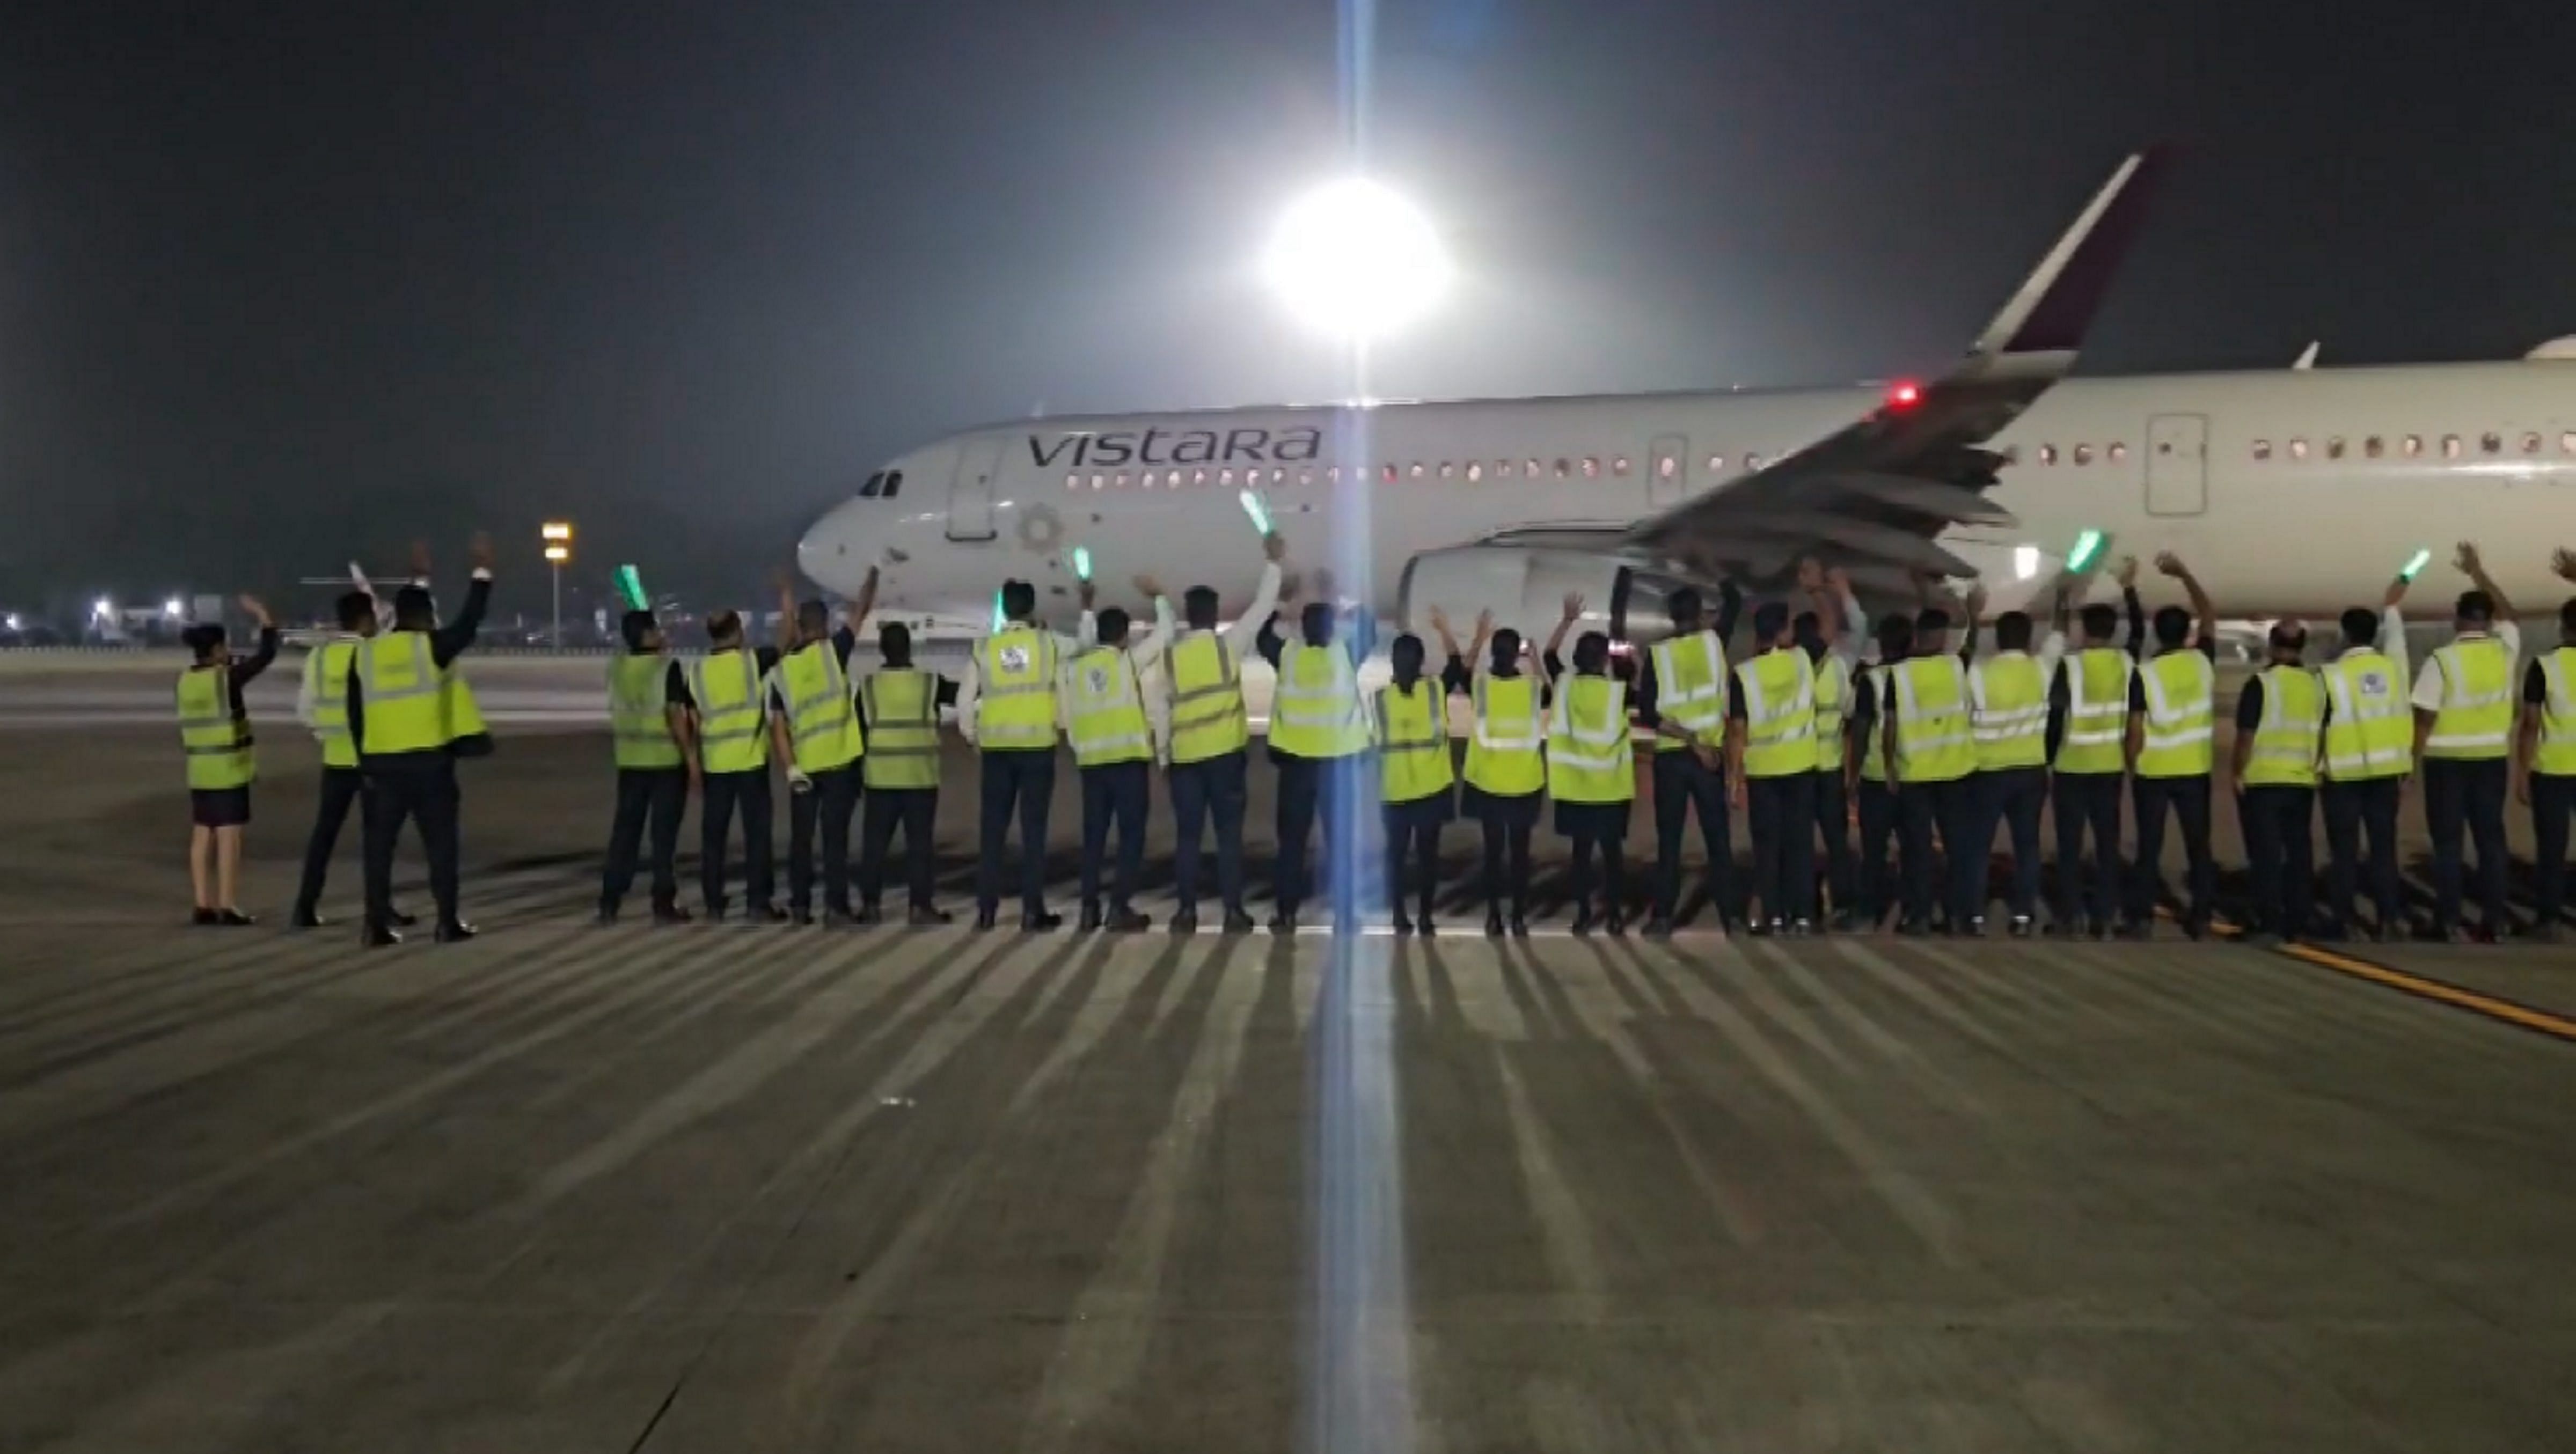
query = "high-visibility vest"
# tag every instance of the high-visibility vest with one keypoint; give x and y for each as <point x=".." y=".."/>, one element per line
<point x="1779" y="691"/>
<point x="1316" y="709"/>
<point x="2556" y="755"/>
<point x="2010" y="719"/>
<point x="2370" y="732"/>
<point x="903" y="728"/>
<point x="1208" y="718"/>
<point x="822" y="718"/>
<point x="2182" y="715"/>
<point x="639" y="701"/>
<point x="1015" y="703"/>
<point x="731" y="715"/>
<point x="326" y="699"/>
<point x="1690" y="688"/>
<point x="1873" y="762"/>
<point x="1833" y="699"/>
<point x="2475" y="720"/>
<point x="466" y="734"/>
<point x="1507" y="756"/>
<point x="218" y="743"/>
<point x="406" y="695"/>
<point x="1933" y="737"/>
<point x="1108" y="710"/>
<point x="1413" y="742"/>
<point x="2097" y="711"/>
<point x="2287" y="740"/>
<point x="1589" y="756"/>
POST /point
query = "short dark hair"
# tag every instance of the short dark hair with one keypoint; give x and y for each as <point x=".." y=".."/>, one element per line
<point x="2567" y="617"/>
<point x="1895" y="637"/>
<point x="724" y="626"/>
<point x="1506" y="645"/>
<point x="1931" y="619"/>
<point x="414" y="606"/>
<point x="355" y="609"/>
<point x="203" y="638"/>
<point x="812" y="617"/>
<point x="1406" y="645"/>
<point x="2173" y="625"/>
<point x="1019" y="599"/>
<point x="1769" y="620"/>
<point x="1592" y="652"/>
<point x="2289" y="636"/>
<point x="894" y="643"/>
<point x="1198" y="606"/>
<point x="1683" y="604"/>
<point x="2476" y="606"/>
<point x="2012" y="631"/>
<point x="2101" y="621"/>
<point x="1113" y="625"/>
<point x="1316" y="620"/>
<point x="634" y="626"/>
<point x="2360" y="626"/>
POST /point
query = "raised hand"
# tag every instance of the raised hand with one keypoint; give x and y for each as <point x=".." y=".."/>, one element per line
<point x="1148" y="587"/>
<point x="1574" y="606"/>
<point x="1439" y="620"/>
<point x="2395" y="593"/>
<point x="2564" y="562"/>
<point x="252" y="608"/>
<point x="1840" y="580"/>
<point x="1324" y="584"/>
<point x="2126" y="572"/>
<point x="1976" y="603"/>
<point x="420" y="560"/>
<point x="1086" y="592"/>
<point x="1275" y="546"/>
<point x="2171" y="564"/>
<point x="479" y="550"/>
<point x="1810" y="574"/>
<point x="2467" y="560"/>
<point x="1484" y="625"/>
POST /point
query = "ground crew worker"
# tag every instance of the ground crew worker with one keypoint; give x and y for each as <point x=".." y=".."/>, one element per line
<point x="2369" y="750"/>
<point x="2008" y="704"/>
<point x="1202" y="683"/>
<point x="1010" y="709"/>
<point x="1319" y="740"/>
<point x="2088" y="732"/>
<point x="1592" y="775"/>
<point x="1415" y="778"/>
<point x="815" y="723"/>
<point x="402" y="715"/>
<point x="323" y="704"/>
<point x="2280" y="733"/>
<point x="2463" y="735"/>
<point x="899" y="706"/>
<point x="1831" y="634"/>
<point x="1115" y="743"/>
<point x="728" y="745"/>
<point x="648" y="718"/>
<point x="1771" y="757"/>
<point x="1681" y="696"/>
<point x="2173" y="751"/>
<point x="214" y="731"/>
<point x="1929" y="750"/>
<point x="2546" y="754"/>
<point x="1865" y="774"/>
<point x="1506" y="764"/>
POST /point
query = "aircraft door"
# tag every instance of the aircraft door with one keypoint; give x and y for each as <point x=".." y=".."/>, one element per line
<point x="1667" y="470"/>
<point x="970" y="494"/>
<point x="2178" y="464"/>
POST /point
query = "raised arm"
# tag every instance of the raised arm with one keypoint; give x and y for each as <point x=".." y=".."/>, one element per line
<point x="1564" y="624"/>
<point x="2127" y="575"/>
<point x="2476" y="570"/>
<point x="1151" y="647"/>
<point x="2204" y="615"/>
<point x="1829" y="616"/>
<point x="1730" y="605"/>
<point x="784" y="634"/>
<point x="449" y="641"/>
<point x="1440" y="628"/>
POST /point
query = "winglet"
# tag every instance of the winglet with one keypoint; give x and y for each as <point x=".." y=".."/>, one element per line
<point x="2307" y="358"/>
<point x="2049" y="313"/>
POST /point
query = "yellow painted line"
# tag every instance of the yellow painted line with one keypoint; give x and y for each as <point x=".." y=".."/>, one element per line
<point x="2442" y="991"/>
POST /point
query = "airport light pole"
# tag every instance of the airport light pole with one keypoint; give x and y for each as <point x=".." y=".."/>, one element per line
<point x="558" y="538"/>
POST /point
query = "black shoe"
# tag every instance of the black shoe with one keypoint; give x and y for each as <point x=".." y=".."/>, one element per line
<point x="306" y="919"/>
<point x="1582" y="927"/>
<point x="377" y="936"/>
<point x="1914" y="929"/>
<point x="715" y="913"/>
<point x="606" y="916"/>
<point x="987" y="915"/>
<point x="1848" y="921"/>
<point x="1284" y="922"/>
<point x="1238" y="921"/>
<point x="1422" y="921"/>
<point x="2097" y="930"/>
<point x="1185" y="923"/>
<point x="1123" y="920"/>
<point x="765" y="914"/>
<point x="206" y="919"/>
<point x="1520" y="925"/>
<point x="2135" y="933"/>
<point x="2021" y="926"/>
<point x="928" y="916"/>
<point x="454" y="931"/>
<point x="1614" y="922"/>
<point x="1977" y="927"/>
<point x="801" y="916"/>
<point x="1801" y="928"/>
<point x="1659" y="926"/>
<point x="671" y="914"/>
<point x="841" y="919"/>
<point x="1765" y="928"/>
<point x="1090" y="920"/>
<point x="1039" y="921"/>
<point x="2195" y="929"/>
<point x="1493" y="923"/>
<point x="233" y="919"/>
<point x="401" y="920"/>
<point x="1403" y="925"/>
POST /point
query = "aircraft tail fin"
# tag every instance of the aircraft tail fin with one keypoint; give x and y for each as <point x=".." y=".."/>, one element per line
<point x="2043" y="323"/>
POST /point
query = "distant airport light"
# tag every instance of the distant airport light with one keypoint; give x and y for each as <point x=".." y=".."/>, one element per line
<point x="1905" y="395"/>
<point x="1355" y="260"/>
<point x="174" y="608"/>
<point x="558" y="553"/>
<point x="2415" y="564"/>
<point x="2025" y="562"/>
<point x="555" y="530"/>
<point x="2087" y="552"/>
<point x="103" y="608"/>
<point x="15" y="623"/>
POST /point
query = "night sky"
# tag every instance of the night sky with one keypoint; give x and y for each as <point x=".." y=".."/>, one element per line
<point x="283" y="283"/>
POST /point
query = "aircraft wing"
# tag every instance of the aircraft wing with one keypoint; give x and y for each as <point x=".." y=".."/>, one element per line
<point x="1876" y="495"/>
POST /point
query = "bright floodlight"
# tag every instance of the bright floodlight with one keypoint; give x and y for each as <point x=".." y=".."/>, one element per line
<point x="103" y="608"/>
<point x="1355" y="260"/>
<point x="173" y="609"/>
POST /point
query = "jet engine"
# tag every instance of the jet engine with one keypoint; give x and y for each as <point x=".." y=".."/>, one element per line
<point x="1525" y="588"/>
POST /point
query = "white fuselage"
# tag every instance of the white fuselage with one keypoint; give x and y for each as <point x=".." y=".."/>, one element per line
<point x="2289" y="492"/>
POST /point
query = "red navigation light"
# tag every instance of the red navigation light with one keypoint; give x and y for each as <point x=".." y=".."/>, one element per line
<point x="1905" y="395"/>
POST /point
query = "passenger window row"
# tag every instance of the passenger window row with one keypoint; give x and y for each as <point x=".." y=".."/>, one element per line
<point x="1590" y="467"/>
<point x="2413" y="446"/>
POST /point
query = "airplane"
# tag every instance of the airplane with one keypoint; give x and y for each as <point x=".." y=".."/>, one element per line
<point x="2290" y="492"/>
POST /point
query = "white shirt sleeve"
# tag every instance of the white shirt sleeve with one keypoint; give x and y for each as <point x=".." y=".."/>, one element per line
<point x="1855" y="635"/>
<point x="2510" y="633"/>
<point x="1265" y="600"/>
<point x="2392" y="639"/>
<point x="2051" y="652"/>
<point x="1151" y="647"/>
<point x="967" y="685"/>
<point x="2428" y="685"/>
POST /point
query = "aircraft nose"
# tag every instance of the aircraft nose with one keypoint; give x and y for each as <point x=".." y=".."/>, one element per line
<point x="835" y="553"/>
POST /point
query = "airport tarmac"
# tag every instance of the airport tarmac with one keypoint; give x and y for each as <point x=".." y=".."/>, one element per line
<point x="727" y="1188"/>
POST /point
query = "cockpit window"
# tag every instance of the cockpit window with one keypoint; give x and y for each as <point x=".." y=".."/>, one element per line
<point x="893" y="484"/>
<point x="868" y="491"/>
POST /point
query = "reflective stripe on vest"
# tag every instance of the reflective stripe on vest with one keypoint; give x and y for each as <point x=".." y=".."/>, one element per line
<point x="1316" y="709"/>
<point x="1208" y="718"/>
<point x="822" y="717"/>
<point x="406" y="695"/>
<point x="1413" y="742"/>
<point x="1690" y="688"/>
<point x="2097" y="712"/>
<point x="1779" y="690"/>
<point x="2287" y="739"/>
<point x="326" y="699"/>
<point x="1833" y="695"/>
<point x="1589" y="756"/>
<point x="2475" y="719"/>
<point x="1108" y="710"/>
<point x="903" y="729"/>
<point x="2182" y="715"/>
<point x="1933" y="744"/>
<point x="1507" y="756"/>
<point x="2370" y="731"/>
<point x="730" y="718"/>
<point x="2010" y="717"/>
<point x="639" y="701"/>
<point x="458" y="712"/>
<point x="217" y="742"/>
<point x="1015" y="701"/>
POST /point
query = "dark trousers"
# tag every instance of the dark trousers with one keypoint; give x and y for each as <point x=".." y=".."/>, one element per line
<point x="1949" y="807"/>
<point x="424" y="793"/>
<point x="1421" y="842"/>
<point x="725" y="792"/>
<point x="1877" y="845"/>
<point x="1507" y="865"/>
<point x="1200" y="791"/>
<point x="1682" y="784"/>
<point x="1781" y="812"/>
<point x="1114" y="794"/>
<point x="342" y="788"/>
<point x="826" y="806"/>
<point x="916" y="812"/>
<point x="1833" y="826"/>
<point x="2553" y="800"/>
<point x="659" y="795"/>
<point x="2088" y="800"/>
<point x="2351" y="807"/>
<point x="2280" y="849"/>
<point x="2187" y="798"/>
<point x="1309" y="787"/>
<point x="2462" y="793"/>
<point x="1021" y="781"/>
<point x="1614" y="870"/>
<point x="2009" y="797"/>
